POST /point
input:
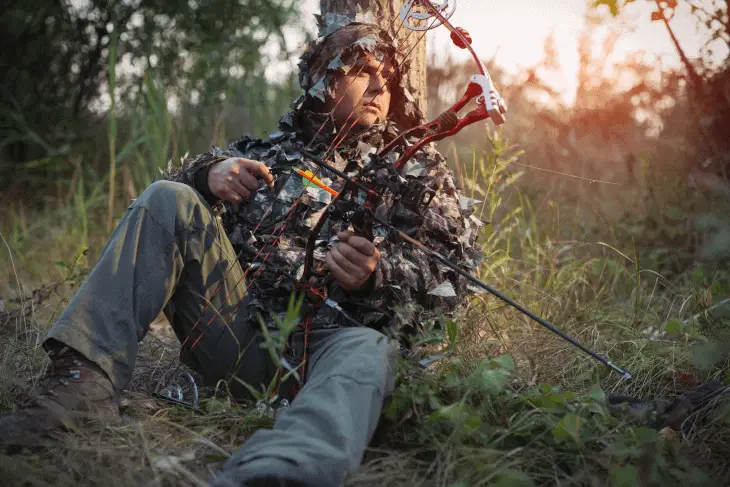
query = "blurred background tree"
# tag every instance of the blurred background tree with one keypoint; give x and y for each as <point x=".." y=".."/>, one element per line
<point x="707" y="82"/>
<point x="56" y="61"/>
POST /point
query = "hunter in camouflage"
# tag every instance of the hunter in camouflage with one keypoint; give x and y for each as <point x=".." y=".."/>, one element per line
<point x="184" y="245"/>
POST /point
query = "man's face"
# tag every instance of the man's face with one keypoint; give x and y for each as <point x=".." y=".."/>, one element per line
<point x="364" y="92"/>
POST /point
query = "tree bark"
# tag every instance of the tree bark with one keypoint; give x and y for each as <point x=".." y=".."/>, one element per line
<point x="386" y="14"/>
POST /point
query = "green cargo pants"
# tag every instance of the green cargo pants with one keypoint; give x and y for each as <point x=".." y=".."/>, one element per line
<point x="170" y="253"/>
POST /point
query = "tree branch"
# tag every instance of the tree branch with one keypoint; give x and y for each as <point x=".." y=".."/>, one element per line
<point x="694" y="78"/>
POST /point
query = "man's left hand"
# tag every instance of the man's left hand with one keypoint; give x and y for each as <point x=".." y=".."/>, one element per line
<point x="352" y="260"/>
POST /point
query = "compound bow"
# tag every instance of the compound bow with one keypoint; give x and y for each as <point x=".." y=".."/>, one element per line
<point x="380" y="175"/>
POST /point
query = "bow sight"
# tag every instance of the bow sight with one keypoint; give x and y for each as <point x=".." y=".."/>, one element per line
<point x="414" y="13"/>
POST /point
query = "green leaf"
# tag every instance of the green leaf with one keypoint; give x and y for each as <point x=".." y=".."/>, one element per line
<point x="596" y="393"/>
<point x="491" y="376"/>
<point x="472" y="424"/>
<point x="493" y="381"/>
<point x="453" y="412"/>
<point x="623" y="476"/>
<point x="673" y="327"/>
<point x="568" y="428"/>
<point x="705" y="356"/>
<point x="215" y="405"/>
<point x="505" y="361"/>
<point x="452" y="331"/>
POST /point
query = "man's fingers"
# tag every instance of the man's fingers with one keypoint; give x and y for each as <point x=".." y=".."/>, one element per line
<point x="237" y="188"/>
<point x="362" y="245"/>
<point x="352" y="267"/>
<point x="229" y="194"/>
<point x="248" y="181"/>
<point x="340" y="275"/>
<point x="351" y="254"/>
<point x="258" y="169"/>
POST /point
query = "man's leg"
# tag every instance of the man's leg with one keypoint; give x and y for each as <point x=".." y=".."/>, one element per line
<point x="168" y="252"/>
<point x="322" y="436"/>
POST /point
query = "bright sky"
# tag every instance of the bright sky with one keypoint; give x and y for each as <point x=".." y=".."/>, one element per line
<point x="516" y="30"/>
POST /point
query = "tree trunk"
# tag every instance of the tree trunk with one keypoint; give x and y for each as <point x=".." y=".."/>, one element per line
<point x="386" y="14"/>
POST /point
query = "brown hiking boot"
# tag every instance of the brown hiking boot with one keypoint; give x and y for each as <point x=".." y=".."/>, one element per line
<point x="73" y="389"/>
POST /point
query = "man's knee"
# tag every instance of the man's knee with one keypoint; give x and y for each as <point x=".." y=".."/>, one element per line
<point x="374" y="341"/>
<point x="170" y="190"/>
<point x="365" y="355"/>
<point x="171" y="201"/>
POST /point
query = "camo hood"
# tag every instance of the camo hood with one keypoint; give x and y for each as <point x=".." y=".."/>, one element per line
<point x="337" y="52"/>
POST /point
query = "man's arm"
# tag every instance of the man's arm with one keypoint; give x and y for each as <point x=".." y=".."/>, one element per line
<point x="217" y="176"/>
<point x="405" y="277"/>
<point x="194" y="172"/>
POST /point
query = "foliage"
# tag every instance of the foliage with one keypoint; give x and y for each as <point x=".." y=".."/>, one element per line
<point x="597" y="222"/>
<point x="55" y="73"/>
<point x="499" y="435"/>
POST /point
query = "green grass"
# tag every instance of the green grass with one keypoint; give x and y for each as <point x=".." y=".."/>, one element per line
<point x="511" y="405"/>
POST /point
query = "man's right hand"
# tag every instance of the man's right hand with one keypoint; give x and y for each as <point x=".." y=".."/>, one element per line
<point x="237" y="179"/>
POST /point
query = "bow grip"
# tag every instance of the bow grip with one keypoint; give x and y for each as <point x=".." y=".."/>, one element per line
<point x="362" y="223"/>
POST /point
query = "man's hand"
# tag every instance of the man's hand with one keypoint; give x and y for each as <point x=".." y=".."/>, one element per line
<point x="352" y="260"/>
<point x="237" y="179"/>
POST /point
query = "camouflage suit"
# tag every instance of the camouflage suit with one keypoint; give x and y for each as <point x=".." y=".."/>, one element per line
<point x="177" y="243"/>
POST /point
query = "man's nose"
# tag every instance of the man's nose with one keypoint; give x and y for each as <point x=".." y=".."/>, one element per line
<point x="378" y="84"/>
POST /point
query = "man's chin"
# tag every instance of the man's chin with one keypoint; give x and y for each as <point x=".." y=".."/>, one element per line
<point x="364" y="121"/>
<point x="369" y="119"/>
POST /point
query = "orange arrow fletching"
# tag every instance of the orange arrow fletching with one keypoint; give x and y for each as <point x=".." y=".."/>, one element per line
<point x="310" y="177"/>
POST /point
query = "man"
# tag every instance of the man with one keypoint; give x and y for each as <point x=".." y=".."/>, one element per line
<point x="184" y="245"/>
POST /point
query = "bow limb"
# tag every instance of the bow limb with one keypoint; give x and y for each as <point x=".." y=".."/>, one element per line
<point x="490" y="96"/>
<point x="480" y="88"/>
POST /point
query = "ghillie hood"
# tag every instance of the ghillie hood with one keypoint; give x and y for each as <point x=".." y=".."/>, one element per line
<point x="337" y="51"/>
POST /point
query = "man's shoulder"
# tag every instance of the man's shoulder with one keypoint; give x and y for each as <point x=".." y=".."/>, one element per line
<point x="258" y="148"/>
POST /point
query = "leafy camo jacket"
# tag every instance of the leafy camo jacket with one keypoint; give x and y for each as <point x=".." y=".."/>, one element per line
<point x="407" y="287"/>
